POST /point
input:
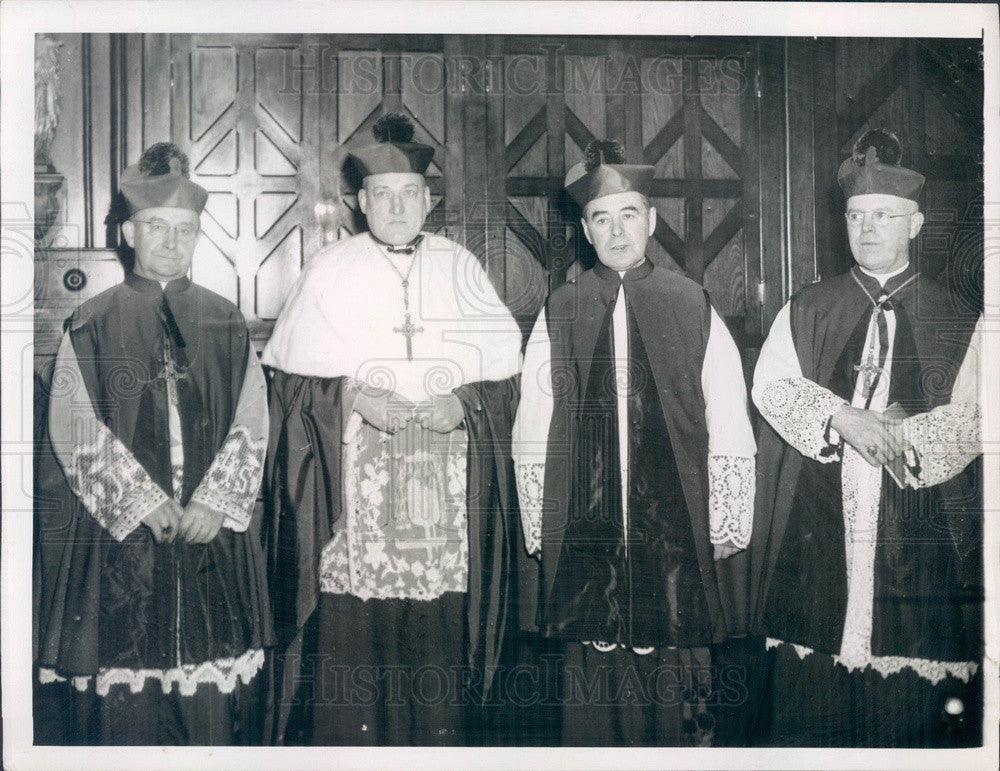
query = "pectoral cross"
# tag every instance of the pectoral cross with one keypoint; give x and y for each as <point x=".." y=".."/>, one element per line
<point x="172" y="374"/>
<point x="870" y="371"/>
<point x="408" y="330"/>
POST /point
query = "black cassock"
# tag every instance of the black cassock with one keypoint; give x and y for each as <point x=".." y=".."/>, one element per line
<point x="107" y="608"/>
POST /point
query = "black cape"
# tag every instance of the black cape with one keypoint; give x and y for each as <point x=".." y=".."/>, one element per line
<point x="304" y="499"/>
<point x="666" y="589"/>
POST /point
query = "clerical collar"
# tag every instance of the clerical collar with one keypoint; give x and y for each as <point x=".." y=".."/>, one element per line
<point x="409" y="248"/>
<point x="148" y="285"/>
<point x="885" y="283"/>
<point x="883" y="278"/>
<point x="876" y="289"/>
<point x="640" y="271"/>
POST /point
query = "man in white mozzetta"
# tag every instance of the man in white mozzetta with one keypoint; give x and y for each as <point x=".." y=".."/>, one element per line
<point x="867" y="574"/>
<point x="394" y="385"/>
<point x="635" y="468"/>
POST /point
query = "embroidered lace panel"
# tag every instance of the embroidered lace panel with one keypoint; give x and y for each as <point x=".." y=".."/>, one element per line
<point x="946" y="440"/>
<point x="530" y="484"/>
<point x="233" y="480"/>
<point x="405" y="532"/>
<point x="110" y="482"/>
<point x="799" y="410"/>
<point x="732" y="480"/>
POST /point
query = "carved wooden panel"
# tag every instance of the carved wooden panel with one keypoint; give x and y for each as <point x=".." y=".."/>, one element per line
<point x="249" y="124"/>
<point x="679" y="107"/>
<point x="746" y="138"/>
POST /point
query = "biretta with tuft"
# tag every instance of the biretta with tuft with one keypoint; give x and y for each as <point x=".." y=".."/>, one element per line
<point x="160" y="178"/>
<point x="874" y="168"/>
<point x="394" y="150"/>
<point x="603" y="171"/>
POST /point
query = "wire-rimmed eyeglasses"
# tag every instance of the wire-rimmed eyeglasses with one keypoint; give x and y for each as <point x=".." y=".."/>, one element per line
<point x="879" y="216"/>
<point x="159" y="228"/>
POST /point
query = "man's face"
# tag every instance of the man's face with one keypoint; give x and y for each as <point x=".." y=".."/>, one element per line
<point x="396" y="206"/>
<point x="619" y="225"/>
<point x="882" y="247"/>
<point x="164" y="238"/>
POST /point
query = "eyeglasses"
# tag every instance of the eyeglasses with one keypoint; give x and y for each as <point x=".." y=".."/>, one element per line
<point x="409" y="193"/>
<point x="879" y="216"/>
<point x="159" y="229"/>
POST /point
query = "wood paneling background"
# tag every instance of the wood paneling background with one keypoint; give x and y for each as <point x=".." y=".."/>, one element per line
<point x="746" y="136"/>
<point x="930" y="92"/>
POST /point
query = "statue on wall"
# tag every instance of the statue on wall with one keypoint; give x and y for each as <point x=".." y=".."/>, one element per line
<point x="47" y="181"/>
<point x="47" y="54"/>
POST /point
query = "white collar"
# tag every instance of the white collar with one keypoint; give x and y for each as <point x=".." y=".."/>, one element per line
<point x="883" y="277"/>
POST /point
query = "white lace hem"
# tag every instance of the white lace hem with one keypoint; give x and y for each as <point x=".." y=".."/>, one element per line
<point x="334" y="578"/>
<point x="800" y="410"/>
<point x="530" y="484"/>
<point x="187" y="677"/>
<point x="732" y="480"/>
<point x="934" y="671"/>
<point x="603" y="647"/>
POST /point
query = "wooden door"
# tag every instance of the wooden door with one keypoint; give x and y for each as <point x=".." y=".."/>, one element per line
<point x="686" y="107"/>
<point x="268" y="120"/>
<point x="251" y="128"/>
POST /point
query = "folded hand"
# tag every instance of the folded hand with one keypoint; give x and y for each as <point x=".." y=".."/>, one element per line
<point x="163" y="521"/>
<point x="441" y="414"/>
<point x="878" y="439"/>
<point x="200" y="523"/>
<point x="385" y="410"/>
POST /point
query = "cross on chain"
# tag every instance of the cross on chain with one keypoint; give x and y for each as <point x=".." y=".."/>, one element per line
<point x="408" y="330"/>
<point x="870" y="371"/>
<point x="171" y="374"/>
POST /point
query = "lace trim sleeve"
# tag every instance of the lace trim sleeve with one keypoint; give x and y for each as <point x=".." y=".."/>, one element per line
<point x="107" y="478"/>
<point x="732" y="483"/>
<point x="111" y="483"/>
<point x="233" y="480"/>
<point x="800" y="411"/>
<point x="946" y="440"/>
<point x="529" y="492"/>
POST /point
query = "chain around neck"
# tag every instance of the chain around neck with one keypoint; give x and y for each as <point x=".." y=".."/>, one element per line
<point x="404" y="278"/>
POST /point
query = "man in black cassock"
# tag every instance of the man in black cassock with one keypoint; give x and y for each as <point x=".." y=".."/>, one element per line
<point x="634" y="460"/>
<point x="867" y="552"/>
<point x="150" y="596"/>
<point x="390" y="540"/>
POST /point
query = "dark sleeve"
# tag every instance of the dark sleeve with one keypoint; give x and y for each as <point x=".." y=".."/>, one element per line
<point x="302" y="491"/>
<point x="494" y="535"/>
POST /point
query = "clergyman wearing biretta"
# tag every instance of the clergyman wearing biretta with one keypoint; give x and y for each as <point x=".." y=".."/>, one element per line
<point x="634" y="459"/>
<point x="392" y="396"/>
<point x="151" y="603"/>
<point x="867" y="553"/>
